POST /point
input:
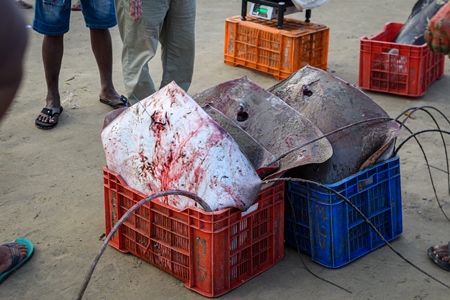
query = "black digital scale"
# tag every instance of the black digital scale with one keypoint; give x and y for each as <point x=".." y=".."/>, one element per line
<point x="268" y="10"/>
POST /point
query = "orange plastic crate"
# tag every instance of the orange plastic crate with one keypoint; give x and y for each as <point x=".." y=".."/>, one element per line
<point x="260" y="45"/>
<point x="409" y="72"/>
<point x="212" y="253"/>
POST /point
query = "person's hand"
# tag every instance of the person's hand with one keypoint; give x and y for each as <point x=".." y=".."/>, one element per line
<point x="437" y="33"/>
<point x="136" y="9"/>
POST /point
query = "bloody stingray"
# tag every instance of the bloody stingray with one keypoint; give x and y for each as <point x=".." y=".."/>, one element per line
<point x="268" y="120"/>
<point x="331" y="103"/>
<point x="167" y="141"/>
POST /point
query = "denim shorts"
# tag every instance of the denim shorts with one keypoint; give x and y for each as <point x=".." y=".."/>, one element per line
<point x="52" y="17"/>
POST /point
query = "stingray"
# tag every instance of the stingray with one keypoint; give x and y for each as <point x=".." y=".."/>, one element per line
<point x="331" y="103"/>
<point x="259" y="157"/>
<point x="268" y="120"/>
<point x="167" y="141"/>
<point x="412" y="31"/>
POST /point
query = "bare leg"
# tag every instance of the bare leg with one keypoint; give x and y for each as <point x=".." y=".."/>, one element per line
<point x="13" y="40"/>
<point x="102" y="48"/>
<point x="52" y="54"/>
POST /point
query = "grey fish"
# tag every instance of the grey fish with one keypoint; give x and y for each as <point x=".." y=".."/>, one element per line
<point x="258" y="156"/>
<point x="275" y="125"/>
<point x="414" y="27"/>
<point x="331" y="103"/>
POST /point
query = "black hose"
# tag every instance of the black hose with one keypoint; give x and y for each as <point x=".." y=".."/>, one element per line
<point x="124" y="217"/>
<point x="365" y="219"/>
<point x="425" y="109"/>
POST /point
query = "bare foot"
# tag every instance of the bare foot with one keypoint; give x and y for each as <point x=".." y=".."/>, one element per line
<point x="442" y="252"/>
<point x="6" y="256"/>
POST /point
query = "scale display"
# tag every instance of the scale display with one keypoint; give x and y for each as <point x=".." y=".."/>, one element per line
<point x="268" y="12"/>
<point x="261" y="11"/>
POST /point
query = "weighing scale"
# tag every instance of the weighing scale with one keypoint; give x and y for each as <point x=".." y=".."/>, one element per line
<point x="268" y="10"/>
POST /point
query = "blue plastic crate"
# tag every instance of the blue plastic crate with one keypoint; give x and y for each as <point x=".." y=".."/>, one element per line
<point x="330" y="230"/>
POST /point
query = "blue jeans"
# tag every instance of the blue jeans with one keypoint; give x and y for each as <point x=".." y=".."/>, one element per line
<point x="52" y="17"/>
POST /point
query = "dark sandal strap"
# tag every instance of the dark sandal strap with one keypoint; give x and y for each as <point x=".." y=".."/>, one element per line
<point x="124" y="100"/>
<point x="121" y="101"/>
<point x="51" y="111"/>
<point x="15" y="253"/>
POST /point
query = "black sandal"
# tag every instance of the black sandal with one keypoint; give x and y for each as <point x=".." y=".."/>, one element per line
<point x="50" y="112"/>
<point x="443" y="264"/>
<point x="117" y="103"/>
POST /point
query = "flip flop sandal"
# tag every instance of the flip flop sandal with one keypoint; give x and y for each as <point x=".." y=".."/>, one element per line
<point x="15" y="252"/>
<point x="50" y="112"/>
<point x="122" y="101"/>
<point x="443" y="264"/>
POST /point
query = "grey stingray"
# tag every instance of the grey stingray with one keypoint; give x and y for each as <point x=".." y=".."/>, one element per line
<point x="270" y="121"/>
<point x="258" y="156"/>
<point x="414" y="27"/>
<point x="331" y="103"/>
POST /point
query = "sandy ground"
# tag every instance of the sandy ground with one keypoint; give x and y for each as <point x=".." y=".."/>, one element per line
<point x="52" y="190"/>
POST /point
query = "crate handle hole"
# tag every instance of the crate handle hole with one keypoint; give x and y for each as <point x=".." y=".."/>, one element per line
<point x="362" y="184"/>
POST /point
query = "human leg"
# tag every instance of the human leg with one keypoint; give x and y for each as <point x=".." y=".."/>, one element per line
<point x="178" y="44"/>
<point x="53" y="26"/>
<point x="12" y="34"/>
<point x="52" y="54"/>
<point x="99" y="18"/>
<point x="140" y="41"/>
<point x="102" y="48"/>
<point x="13" y="37"/>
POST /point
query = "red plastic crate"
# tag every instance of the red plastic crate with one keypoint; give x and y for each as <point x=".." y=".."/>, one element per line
<point x="212" y="252"/>
<point x="260" y="45"/>
<point x="409" y="72"/>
